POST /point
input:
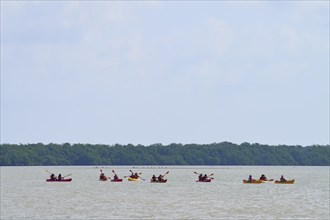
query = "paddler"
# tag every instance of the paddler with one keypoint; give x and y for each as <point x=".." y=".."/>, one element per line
<point x="282" y="179"/>
<point x="116" y="177"/>
<point x="153" y="178"/>
<point x="263" y="177"/>
<point x="102" y="176"/>
<point x="160" y="178"/>
<point x="250" y="179"/>
<point x="200" y="177"/>
<point x="52" y="176"/>
<point x="60" y="177"/>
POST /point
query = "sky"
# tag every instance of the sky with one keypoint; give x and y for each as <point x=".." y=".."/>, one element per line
<point x="146" y="72"/>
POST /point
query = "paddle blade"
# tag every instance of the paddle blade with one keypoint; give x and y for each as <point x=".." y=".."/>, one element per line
<point x="113" y="171"/>
<point x="67" y="175"/>
<point x="195" y="172"/>
<point x="211" y="174"/>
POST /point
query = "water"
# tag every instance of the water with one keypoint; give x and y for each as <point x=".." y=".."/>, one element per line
<point x="26" y="195"/>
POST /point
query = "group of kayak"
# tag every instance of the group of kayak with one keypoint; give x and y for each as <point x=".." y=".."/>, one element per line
<point x="133" y="177"/>
<point x="154" y="178"/>
<point x="160" y="179"/>
<point x="263" y="179"/>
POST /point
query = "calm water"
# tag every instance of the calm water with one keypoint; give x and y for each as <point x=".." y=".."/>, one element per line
<point x="26" y="195"/>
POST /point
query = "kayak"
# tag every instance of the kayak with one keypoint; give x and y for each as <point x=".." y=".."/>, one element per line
<point x="133" y="179"/>
<point x="270" y="180"/>
<point x="285" y="182"/>
<point x="253" y="182"/>
<point x="63" y="180"/>
<point x="103" y="179"/>
<point x="204" y="181"/>
<point x="157" y="181"/>
<point x="118" y="180"/>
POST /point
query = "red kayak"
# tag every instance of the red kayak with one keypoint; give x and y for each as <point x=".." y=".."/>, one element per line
<point x="118" y="180"/>
<point x="204" y="181"/>
<point x="63" y="180"/>
<point x="161" y="181"/>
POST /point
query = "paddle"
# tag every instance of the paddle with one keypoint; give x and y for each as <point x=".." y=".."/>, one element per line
<point x="133" y="173"/>
<point x="206" y="175"/>
<point x="166" y="173"/>
<point x="67" y="175"/>
<point x="48" y="172"/>
<point x="129" y="175"/>
<point x="138" y="177"/>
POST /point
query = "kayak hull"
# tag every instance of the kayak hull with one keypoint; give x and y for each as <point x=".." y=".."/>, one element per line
<point x="118" y="180"/>
<point x="204" y="181"/>
<point x="133" y="179"/>
<point x="157" y="181"/>
<point x="64" y="180"/>
<point x="286" y="182"/>
<point x="253" y="182"/>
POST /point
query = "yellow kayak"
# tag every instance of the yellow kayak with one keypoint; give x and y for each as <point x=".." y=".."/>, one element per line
<point x="270" y="180"/>
<point x="253" y="182"/>
<point x="133" y="179"/>
<point x="284" y="182"/>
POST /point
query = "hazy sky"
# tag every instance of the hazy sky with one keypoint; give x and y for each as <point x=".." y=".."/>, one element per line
<point x="165" y="72"/>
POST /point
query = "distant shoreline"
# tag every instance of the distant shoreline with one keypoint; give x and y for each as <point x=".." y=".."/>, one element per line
<point x="158" y="155"/>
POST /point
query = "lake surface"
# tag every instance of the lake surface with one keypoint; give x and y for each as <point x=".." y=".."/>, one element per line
<point x="26" y="195"/>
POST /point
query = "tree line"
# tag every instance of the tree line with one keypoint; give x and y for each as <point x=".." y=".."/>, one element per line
<point x="224" y="153"/>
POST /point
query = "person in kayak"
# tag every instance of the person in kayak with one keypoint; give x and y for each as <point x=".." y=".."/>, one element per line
<point x="115" y="177"/>
<point x="250" y="179"/>
<point x="282" y="179"/>
<point x="204" y="177"/>
<point x="160" y="178"/>
<point x="52" y="176"/>
<point x="263" y="177"/>
<point x="135" y="176"/>
<point x="102" y="176"/>
<point x="60" y="177"/>
<point x="200" y="177"/>
<point x="153" y="178"/>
